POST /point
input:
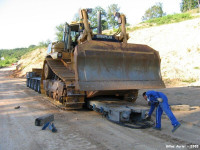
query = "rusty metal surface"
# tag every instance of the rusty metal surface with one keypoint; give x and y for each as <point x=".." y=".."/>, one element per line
<point x="55" y="89"/>
<point x="60" y="70"/>
<point x="103" y="65"/>
<point x="38" y="71"/>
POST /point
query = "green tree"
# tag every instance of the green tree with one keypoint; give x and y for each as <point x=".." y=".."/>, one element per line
<point x="93" y="18"/>
<point x="107" y="19"/>
<point x="110" y="15"/>
<point x="199" y="5"/>
<point x="59" y="33"/>
<point x="13" y="55"/>
<point x="76" y="17"/>
<point x="32" y="46"/>
<point x="155" y="11"/>
<point x="46" y="43"/>
<point x="188" y="5"/>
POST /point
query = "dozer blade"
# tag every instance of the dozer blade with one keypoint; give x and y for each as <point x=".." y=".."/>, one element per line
<point x="103" y="65"/>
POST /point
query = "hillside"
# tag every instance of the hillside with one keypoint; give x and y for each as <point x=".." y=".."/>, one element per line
<point x="179" y="48"/>
<point x="177" y="43"/>
<point x="30" y="60"/>
<point x="9" y="56"/>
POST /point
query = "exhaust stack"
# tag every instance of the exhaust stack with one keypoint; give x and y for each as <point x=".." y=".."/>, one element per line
<point x="99" y="31"/>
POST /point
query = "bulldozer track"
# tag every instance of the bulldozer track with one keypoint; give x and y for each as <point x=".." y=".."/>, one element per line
<point x="60" y="105"/>
<point x="60" y="70"/>
<point x="74" y="99"/>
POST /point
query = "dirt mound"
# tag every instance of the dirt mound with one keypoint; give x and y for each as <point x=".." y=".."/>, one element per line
<point x="31" y="60"/>
<point x="179" y="48"/>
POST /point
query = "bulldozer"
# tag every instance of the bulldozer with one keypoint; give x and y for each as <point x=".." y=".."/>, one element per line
<point x="85" y="65"/>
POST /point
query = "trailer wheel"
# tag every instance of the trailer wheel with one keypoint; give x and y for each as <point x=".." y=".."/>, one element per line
<point x="47" y="72"/>
<point x="38" y="87"/>
<point x="31" y="84"/>
<point x="35" y="85"/>
<point x="27" y="82"/>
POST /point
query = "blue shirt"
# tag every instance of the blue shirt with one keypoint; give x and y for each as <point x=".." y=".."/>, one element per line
<point x="152" y="98"/>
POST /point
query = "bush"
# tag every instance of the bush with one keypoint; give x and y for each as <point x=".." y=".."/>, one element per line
<point x="190" y="80"/>
<point x="162" y="20"/>
<point x="13" y="55"/>
<point x="170" y="19"/>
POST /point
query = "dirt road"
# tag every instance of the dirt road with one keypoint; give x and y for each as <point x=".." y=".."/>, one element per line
<point x="87" y="129"/>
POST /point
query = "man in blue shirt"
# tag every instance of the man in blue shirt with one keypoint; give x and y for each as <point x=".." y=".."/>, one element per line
<point x="159" y="100"/>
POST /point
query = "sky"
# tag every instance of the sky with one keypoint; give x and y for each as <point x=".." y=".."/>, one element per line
<point x="27" y="22"/>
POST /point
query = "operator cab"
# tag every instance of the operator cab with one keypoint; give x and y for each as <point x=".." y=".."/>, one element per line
<point x="71" y="34"/>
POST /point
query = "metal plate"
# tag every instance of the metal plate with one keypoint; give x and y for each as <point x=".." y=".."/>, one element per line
<point x="101" y="65"/>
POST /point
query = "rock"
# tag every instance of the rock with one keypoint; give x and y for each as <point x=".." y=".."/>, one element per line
<point x="180" y="107"/>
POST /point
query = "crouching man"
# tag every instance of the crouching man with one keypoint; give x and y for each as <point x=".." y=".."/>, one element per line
<point x="159" y="100"/>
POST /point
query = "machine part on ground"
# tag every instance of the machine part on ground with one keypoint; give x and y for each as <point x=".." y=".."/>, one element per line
<point x="123" y="113"/>
<point x="40" y="121"/>
<point x="86" y="67"/>
<point x="17" y="107"/>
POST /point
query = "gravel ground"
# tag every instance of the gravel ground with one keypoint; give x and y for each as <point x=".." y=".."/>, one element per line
<point x="85" y="129"/>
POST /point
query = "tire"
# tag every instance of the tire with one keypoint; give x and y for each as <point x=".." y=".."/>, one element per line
<point x="32" y="84"/>
<point x="47" y="72"/>
<point x="35" y="85"/>
<point x="38" y="87"/>
<point x="27" y="82"/>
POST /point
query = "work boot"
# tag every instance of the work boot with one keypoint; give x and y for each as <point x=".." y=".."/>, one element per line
<point x="176" y="127"/>
<point x="156" y="128"/>
<point x="53" y="128"/>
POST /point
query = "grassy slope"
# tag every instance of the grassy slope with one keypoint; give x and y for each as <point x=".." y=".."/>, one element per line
<point x="33" y="59"/>
<point x="169" y="19"/>
<point x="13" y="55"/>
